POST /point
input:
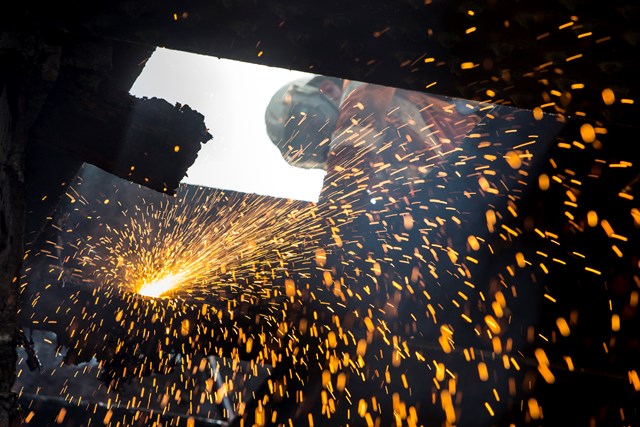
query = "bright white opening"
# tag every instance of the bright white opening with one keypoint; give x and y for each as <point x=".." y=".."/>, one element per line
<point x="233" y="97"/>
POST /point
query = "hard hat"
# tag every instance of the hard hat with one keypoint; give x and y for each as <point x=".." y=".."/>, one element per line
<point x="300" y="120"/>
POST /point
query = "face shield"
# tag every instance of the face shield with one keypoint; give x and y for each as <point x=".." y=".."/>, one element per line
<point x="300" y="120"/>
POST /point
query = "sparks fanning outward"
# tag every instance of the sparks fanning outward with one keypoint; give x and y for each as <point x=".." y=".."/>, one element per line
<point x="202" y="240"/>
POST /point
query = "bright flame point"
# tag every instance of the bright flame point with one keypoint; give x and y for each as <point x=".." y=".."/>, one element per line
<point x="160" y="287"/>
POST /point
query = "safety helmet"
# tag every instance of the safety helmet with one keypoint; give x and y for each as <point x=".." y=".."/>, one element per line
<point x="300" y="120"/>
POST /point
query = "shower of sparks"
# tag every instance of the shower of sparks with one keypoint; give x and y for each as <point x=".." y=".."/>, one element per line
<point x="201" y="242"/>
<point x="421" y="274"/>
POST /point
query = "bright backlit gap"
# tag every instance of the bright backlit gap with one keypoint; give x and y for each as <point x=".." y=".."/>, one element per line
<point x="232" y="96"/>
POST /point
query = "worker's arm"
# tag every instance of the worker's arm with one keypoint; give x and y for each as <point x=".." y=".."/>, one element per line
<point x="381" y="130"/>
<point x="363" y="110"/>
<point x="355" y="143"/>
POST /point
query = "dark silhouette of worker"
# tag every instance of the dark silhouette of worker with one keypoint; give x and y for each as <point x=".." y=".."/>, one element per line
<point x="391" y="197"/>
<point x="388" y="154"/>
<point x="416" y="188"/>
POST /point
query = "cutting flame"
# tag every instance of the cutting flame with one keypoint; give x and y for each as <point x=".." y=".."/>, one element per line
<point x="160" y="287"/>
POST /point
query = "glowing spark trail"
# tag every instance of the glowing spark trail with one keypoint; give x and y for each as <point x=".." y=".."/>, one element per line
<point x="203" y="242"/>
<point x="159" y="287"/>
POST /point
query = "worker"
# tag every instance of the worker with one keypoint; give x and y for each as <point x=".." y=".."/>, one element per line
<point x="416" y="187"/>
<point x="375" y="142"/>
<point x="386" y="152"/>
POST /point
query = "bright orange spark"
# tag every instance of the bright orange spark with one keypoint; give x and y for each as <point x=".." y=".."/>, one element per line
<point x="162" y="286"/>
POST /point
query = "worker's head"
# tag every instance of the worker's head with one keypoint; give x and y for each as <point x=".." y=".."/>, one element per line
<point x="301" y="117"/>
